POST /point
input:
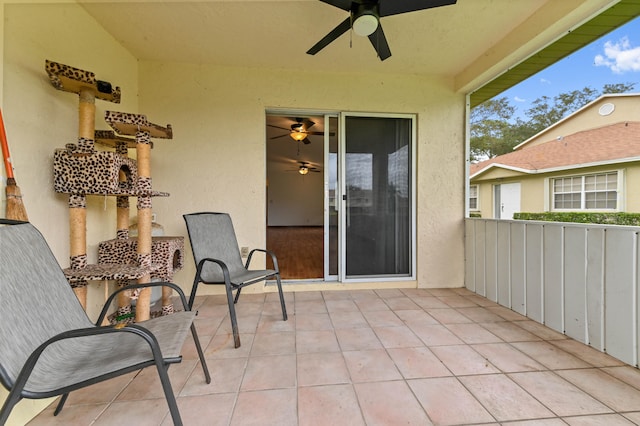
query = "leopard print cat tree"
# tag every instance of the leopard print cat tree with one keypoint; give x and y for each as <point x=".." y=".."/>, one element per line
<point x="81" y="170"/>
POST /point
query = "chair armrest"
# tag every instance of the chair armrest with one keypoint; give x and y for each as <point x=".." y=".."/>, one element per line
<point x="113" y="295"/>
<point x="30" y="363"/>
<point x="268" y="252"/>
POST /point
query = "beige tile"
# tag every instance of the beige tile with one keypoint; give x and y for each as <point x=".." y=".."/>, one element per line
<point x="448" y="316"/>
<point x="222" y="346"/>
<point x="430" y="302"/>
<point x="148" y="412"/>
<point x="533" y="327"/>
<point x="273" y="343"/>
<point x="328" y="405"/>
<point x="311" y="307"/>
<point x="342" y="305"/>
<point x="457" y="301"/>
<point x="301" y="296"/>
<point x="353" y="319"/>
<point x="226" y="376"/>
<point x="507" y="358"/>
<point x="306" y="322"/>
<point x="205" y="410"/>
<point x="267" y="407"/>
<point x="417" y="363"/>
<point x="560" y="396"/>
<point x="510" y="332"/>
<point x="389" y="293"/>
<point x="352" y="339"/>
<point x="434" y="334"/>
<point x="269" y="372"/>
<point x="382" y="318"/>
<point x="601" y="420"/>
<point x="336" y="295"/>
<point x="105" y="391"/>
<point x="447" y="402"/>
<point x="503" y="398"/>
<point x="316" y="341"/>
<point x="507" y="313"/>
<point x="629" y="375"/>
<point x="607" y="389"/>
<point x="587" y="353"/>
<point x="473" y="333"/>
<point x="322" y="369"/>
<point x="147" y="385"/>
<point x="401" y="304"/>
<point x="417" y="316"/>
<point x="463" y="360"/>
<point x="363" y="294"/>
<point x="370" y="366"/>
<point x="549" y="355"/>
<point x="390" y="403"/>
<point x="274" y="324"/>
<point x="70" y="415"/>
<point x="246" y="323"/>
<point x="397" y="337"/>
<point x="275" y="309"/>
<point x="371" y="305"/>
<point x="480" y="314"/>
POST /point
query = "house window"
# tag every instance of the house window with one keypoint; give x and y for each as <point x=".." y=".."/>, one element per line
<point x="588" y="192"/>
<point x="473" y="197"/>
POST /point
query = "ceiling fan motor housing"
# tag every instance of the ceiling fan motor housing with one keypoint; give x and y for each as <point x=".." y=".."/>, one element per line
<point x="365" y="18"/>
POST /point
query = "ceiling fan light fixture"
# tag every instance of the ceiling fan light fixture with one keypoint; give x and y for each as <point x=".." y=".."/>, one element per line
<point x="298" y="136"/>
<point x="303" y="170"/>
<point x="365" y="22"/>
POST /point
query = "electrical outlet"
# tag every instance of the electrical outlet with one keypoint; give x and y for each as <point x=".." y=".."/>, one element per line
<point x="244" y="251"/>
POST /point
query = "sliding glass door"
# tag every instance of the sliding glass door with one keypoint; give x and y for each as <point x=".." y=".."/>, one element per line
<point x="377" y="197"/>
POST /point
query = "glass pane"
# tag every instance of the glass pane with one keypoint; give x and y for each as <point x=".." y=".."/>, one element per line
<point x="331" y="253"/>
<point x="378" y="193"/>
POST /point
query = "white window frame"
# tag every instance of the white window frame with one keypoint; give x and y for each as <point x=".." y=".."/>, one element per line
<point x="619" y="192"/>
<point x="477" y="198"/>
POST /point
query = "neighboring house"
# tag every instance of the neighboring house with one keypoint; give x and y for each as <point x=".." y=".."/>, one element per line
<point x="588" y="161"/>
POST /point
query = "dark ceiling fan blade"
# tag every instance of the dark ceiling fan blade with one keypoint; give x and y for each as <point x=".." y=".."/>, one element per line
<point x="379" y="42"/>
<point x="395" y="7"/>
<point x="278" y="127"/>
<point x="342" y="28"/>
<point x="306" y="141"/>
<point x="314" y="133"/>
<point x="278" y="137"/>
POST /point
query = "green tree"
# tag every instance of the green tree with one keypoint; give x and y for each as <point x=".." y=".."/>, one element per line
<point x="495" y="131"/>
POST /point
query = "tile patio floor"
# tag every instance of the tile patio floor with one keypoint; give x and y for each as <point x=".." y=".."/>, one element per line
<point x="384" y="357"/>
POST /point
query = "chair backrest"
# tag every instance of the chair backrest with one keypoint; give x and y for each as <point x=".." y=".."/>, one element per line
<point x="212" y="236"/>
<point x="36" y="301"/>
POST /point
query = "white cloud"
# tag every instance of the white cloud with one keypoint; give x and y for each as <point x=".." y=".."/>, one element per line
<point x="519" y="99"/>
<point x="544" y="81"/>
<point x="620" y="57"/>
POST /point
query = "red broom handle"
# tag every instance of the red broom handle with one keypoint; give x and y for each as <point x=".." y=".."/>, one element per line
<point x="5" y="149"/>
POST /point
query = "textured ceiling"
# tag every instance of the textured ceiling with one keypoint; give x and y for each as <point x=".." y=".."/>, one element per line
<point x="471" y="42"/>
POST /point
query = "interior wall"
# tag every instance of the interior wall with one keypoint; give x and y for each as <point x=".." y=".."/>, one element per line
<point x="39" y="119"/>
<point x="295" y="200"/>
<point x="216" y="161"/>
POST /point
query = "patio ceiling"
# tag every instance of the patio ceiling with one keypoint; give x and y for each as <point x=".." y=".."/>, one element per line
<point x="471" y="43"/>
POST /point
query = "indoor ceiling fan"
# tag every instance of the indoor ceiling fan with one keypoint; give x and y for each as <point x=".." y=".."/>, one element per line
<point x="305" y="168"/>
<point x="299" y="130"/>
<point x="364" y="19"/>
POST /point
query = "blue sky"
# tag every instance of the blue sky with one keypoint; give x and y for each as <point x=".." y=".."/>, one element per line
<point x="614" y="58"/>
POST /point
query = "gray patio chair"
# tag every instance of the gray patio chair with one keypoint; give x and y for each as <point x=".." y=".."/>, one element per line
<point x="49" y="345"/>
<point x="218" y="261"/>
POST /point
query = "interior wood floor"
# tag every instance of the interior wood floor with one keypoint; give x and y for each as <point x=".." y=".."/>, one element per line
<point x="299" y="250"/>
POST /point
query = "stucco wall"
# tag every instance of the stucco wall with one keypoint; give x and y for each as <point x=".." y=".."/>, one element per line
<point x="217" y="160"/>
<point x="39" y="119"/>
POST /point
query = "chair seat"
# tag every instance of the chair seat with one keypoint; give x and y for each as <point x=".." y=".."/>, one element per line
<point x="70" y="361"/>
<point x="247" y="276"/>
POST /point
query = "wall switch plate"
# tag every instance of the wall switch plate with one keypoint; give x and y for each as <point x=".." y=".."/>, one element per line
<point x="244" y="251"/>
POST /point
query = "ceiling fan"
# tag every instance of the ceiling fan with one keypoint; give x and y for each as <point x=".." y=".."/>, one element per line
<point x="299" y="130"/>
<point x="304" y="168"/>
<point x="364" y="20"/>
